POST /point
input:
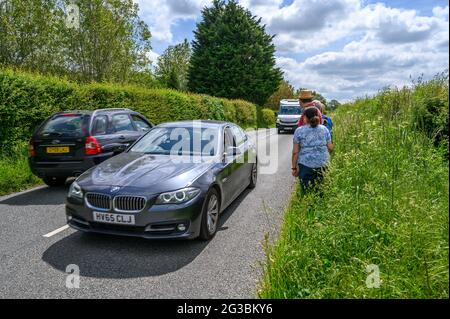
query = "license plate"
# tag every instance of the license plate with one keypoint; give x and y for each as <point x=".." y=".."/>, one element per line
<point x="58" y="149"/>
<point x="110" y="218"/>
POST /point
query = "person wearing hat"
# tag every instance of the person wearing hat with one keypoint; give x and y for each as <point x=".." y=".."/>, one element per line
<point x="311" y="150"/>
<point x="306" y="101"/>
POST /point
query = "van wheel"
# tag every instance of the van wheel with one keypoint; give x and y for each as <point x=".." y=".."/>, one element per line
<point x="210" y="215"/>
<point x="55" y="181"/>
<point x="279" y="131"/>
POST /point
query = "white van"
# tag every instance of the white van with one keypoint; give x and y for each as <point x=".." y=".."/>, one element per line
<point x="288" y="115"/>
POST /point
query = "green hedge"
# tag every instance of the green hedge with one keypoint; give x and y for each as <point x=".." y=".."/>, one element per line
<point x="27" y="99"/>
<point x="267" y="118"/>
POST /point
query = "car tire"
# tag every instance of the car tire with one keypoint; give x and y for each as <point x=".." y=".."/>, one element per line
<point x="253" y="176"/>
<point x="55" y="181"/>
<point x="210" y="215"/>
<point x="279" y="131"/>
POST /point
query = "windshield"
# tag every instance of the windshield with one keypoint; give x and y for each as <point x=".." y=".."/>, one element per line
<point x="64" y="125"/>
<point x="179" y="141"/>
<point x="285" y="110"/>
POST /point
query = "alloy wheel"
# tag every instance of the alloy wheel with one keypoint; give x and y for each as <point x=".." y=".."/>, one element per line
<point x="212" y="213"/>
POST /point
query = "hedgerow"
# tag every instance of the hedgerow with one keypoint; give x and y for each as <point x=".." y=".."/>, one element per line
<point x="28" y="99"/>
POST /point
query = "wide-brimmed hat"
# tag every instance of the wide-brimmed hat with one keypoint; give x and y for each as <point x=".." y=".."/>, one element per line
<point x="305" y="95"/>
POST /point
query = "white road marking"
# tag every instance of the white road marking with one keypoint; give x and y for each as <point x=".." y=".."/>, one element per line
<point x="56" y="231"/>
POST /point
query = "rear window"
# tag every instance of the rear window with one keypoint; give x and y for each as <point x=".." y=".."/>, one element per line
<point x="65" y="125"/>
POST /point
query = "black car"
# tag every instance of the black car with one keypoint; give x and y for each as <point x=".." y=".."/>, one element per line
<point x="172" y="183"/>
<point x="69" y="143"/>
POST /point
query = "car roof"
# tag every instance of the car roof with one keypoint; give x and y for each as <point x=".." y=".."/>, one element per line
<point x="89" y="112"/>
<point x="205" y="123"/>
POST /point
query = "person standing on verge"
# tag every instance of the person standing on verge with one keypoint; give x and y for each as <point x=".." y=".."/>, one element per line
<point x="311" y="150"/>
<point x="306" y="102"/>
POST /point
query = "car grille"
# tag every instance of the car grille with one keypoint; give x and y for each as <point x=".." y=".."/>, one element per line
<point x="289" y="122"/>
<point x="129" y="203"/>
<point x="99" y="201"/>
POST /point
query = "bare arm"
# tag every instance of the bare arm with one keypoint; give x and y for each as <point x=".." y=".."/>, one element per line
<point x="295" y="151"/>
<point x="330" y="147"/>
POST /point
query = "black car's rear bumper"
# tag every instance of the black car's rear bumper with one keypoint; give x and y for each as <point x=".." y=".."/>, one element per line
<point x="157" y="222"/>
<point x="43" y="169"/>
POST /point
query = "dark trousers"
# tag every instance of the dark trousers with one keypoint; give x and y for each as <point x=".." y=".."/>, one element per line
<point x="309" y="177"/>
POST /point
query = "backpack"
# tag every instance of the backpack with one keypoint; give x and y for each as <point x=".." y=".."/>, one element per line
<point x="326" y="121"/>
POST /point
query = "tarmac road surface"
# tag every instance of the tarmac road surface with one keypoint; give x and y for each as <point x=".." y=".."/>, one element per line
<point x="36" y="246"/>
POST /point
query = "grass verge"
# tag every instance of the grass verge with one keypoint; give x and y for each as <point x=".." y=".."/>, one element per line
<point x="15" y="174"/>
<point x="385" y="207"/>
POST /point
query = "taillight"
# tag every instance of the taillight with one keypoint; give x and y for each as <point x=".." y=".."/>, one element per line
<point x="31" y="150"/>
<point x="92" y="146"/>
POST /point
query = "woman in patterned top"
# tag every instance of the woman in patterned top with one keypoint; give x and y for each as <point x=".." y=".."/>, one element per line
<point x="311" y="150"/>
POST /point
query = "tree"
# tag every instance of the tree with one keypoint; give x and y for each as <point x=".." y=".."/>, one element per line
<point x="173" y="66"/>
<point x="110" y="43"/>
<point x="333" y="104"/>
<point x="233" y="56"/>
<point x="27" y="35"/>
<point x="285" y="91"/>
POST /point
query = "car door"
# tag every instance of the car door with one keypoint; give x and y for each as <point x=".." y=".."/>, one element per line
<point x="226" y="175"/>
<point x="241" y="170"/>
<point x="140" y="123"/>
<point x="102" y="130"/>
<point x="123" y="129"/>
<point x="61" y="138"/>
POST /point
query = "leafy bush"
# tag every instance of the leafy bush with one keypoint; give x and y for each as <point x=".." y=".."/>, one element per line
<point x="384" y="202"/>
<point x="267" y="118"/>
<point x="26" y="100"/>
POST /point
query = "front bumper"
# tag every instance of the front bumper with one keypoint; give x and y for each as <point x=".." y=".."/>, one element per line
<point x="155" y="222"/>
<point x="287" y="127"/>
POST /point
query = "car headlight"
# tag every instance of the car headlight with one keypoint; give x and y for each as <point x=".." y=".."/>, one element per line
<point x="177" y="197"/>
<point x="75" y="191"/>
<point x="278" y="121"/>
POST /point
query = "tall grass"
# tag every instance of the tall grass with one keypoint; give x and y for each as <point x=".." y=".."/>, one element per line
<point x="384" y="203"/>
<point x="15" y="173"/>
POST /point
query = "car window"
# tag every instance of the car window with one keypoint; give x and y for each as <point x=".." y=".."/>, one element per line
<point x="122" y="123"/>
<point x="229" y="140"/>
<point x="64" y="125"/>
<point x="140" y="123"/>
<point x="100" y="125"/>
<point x="178" y="141"/>
<point x="239" y="135"/>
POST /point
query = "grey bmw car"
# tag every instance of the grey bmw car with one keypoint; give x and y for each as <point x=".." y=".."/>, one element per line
<point x="171" y="183"/>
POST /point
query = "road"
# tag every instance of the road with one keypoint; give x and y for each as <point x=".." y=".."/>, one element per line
<point x="34" y="266"/>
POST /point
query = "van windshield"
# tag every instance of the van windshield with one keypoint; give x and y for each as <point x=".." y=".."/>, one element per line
<point x="284" y="110"/>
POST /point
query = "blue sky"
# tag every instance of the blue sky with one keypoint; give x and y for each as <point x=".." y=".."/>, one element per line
<point x="341" y="48"/>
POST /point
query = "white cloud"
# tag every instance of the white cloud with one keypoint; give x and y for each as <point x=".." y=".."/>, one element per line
<point x="161" y="15"/>
<point x="385" y="46"/>
<point x="153" y="56"/>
